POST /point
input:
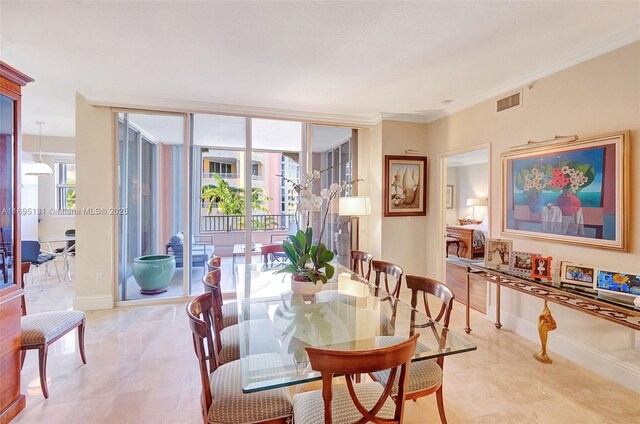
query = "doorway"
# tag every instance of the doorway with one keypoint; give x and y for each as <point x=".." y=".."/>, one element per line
<point x="466" y="183"/>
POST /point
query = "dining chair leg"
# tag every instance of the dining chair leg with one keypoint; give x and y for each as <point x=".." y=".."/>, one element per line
<point x="40" y="278"/>
<point x="42" y="364"/>
<point x="440" y="399"/>
<point x="81" y="341"/>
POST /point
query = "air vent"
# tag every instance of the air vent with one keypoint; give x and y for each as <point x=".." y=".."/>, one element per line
<point x="509" y="102"/>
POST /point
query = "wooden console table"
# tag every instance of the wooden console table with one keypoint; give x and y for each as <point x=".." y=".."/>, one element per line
<point x="575" y="299"/>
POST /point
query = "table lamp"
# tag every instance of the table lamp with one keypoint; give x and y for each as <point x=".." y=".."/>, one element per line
<point x="476" y="201"/>
<point x="354" y="207"/>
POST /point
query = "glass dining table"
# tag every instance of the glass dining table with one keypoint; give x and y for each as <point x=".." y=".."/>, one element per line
<point x="276" y="325"/>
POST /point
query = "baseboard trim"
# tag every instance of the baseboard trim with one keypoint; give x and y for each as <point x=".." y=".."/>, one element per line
<point x="93" y="303"/>
<point x="597" y="361"/>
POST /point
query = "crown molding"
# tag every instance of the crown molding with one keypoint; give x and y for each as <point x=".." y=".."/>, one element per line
<point x="185" y="106"/>
<point x="621" y="39"/>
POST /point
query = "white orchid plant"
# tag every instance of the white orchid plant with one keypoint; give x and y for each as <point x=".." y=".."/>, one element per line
<point x="307" y="258"/>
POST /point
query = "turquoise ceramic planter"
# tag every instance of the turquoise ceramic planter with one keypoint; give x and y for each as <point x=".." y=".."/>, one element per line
<point x="153" y="273"/>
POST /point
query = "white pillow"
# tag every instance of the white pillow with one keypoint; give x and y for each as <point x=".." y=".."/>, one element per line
<point x="485" y="221"/>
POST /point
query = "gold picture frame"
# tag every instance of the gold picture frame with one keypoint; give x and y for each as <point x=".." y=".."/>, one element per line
<point x="570" y="192"/>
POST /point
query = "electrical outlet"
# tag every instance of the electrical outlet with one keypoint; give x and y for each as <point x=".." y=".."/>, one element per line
<point x="99" y="277"/>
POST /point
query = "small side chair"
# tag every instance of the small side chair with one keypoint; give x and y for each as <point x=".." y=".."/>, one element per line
<point x="356" y="403"/>
<point x="38" y="331"/>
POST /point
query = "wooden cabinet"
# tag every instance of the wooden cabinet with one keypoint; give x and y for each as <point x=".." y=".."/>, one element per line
<point x="11" y="400"/>
<point x="457" y="281"/>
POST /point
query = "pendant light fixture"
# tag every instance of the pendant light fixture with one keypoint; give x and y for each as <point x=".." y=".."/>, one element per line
<point x="39" y="167"/>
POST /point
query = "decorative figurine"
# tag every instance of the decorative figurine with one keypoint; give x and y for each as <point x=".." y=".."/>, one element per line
<point x="546" y="323"/>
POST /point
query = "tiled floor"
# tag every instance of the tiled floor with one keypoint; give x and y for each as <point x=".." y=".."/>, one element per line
<point x="141" y="369"/>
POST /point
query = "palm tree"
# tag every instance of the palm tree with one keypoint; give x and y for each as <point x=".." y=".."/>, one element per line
<point x="231" y="200"/>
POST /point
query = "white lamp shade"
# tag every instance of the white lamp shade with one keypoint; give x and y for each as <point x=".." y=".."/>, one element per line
<point x="354" y="206"/>
<point x="479" y="201"/>
<point x="39" y="168"/>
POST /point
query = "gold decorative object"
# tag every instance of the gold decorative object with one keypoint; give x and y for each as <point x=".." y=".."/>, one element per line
<point x="546" y="323"/>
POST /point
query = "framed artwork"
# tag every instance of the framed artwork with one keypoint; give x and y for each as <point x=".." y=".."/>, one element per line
<point x="520" y="263"/>
<point x="405" y="185"/>
<point x="574" y="192"/>
<point x="618" y="282"/>
<point x="577" y="274"/>
<point x="497" y="252"/>
<point x="541" y="267"/>
<point x="449" y="197"/>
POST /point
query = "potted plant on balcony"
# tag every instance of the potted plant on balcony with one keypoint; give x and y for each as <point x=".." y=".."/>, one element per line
<point x="309" y="258"/>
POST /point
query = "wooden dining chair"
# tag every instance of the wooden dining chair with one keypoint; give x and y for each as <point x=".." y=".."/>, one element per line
<point x="40" y="330"/>
<point x="360" y="260"/>
<point x="363" y="402"/>
<point x="425" y="377"/>
<point x="214" y="262"/>
<point x="387" y="269"/>
<point x="271" y="253"/>
<point x="222" y="399"/>
<point x="225" y="319"/>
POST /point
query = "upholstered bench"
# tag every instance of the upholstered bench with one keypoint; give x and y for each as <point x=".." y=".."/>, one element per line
<point x="40" y="330"/>
<point x="453" y="240"/>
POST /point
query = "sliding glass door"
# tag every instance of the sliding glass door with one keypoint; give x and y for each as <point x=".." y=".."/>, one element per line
<point x="151" y="183"/>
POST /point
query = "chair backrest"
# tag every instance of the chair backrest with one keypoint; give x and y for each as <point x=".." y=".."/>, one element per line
<point x="71" y="243"/>
<point x="358" y="261"/>
<point x="30" y="251"/>
<point x="200" y="321"/>
<point x="428" y="286"/>
<point x="268" y="250"/>
<point x="214" y="262"/>
<point x="387" y="269"/>
<point x="351" y="363"/>
<point x="7" y="240"/>
<point x="211" y="282"/>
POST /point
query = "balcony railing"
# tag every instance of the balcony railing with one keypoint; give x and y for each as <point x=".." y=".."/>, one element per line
<point x="225" y="176"/>
<point x="225" y="223"/>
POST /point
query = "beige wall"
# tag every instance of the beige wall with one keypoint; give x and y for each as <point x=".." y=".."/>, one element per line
<point x="95" y="235"/>
<point x="471" y="181"/>
<point x="598" y="96"/>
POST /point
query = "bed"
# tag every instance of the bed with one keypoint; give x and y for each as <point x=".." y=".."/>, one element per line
<point x="472" y="238"/>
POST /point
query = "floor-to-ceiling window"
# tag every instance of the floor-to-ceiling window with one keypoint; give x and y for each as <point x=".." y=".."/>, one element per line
<point x="151" y="187"/>
<point x="228" y="157"/>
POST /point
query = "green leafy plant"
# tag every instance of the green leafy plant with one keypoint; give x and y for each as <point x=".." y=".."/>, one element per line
<point x="231" y="200"/>
<point x="307" y="258"/>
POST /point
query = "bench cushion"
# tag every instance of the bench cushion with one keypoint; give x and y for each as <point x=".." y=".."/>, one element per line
<point x="41" y="328"/>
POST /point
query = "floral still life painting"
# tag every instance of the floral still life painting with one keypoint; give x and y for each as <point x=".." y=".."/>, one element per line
<point x="572" y="192"/>
<point x="405" y="186"/>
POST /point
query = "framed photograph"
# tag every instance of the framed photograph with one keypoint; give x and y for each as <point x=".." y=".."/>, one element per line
<point x="449" y="197"/>
<point x="574" y="192"/>
<point x="520" y="263"/>
<point x="541" y="267"/>
<point x="405" y="185"/>
<point x="618" y="282"/>
<point x="577" y="274"/>
<point x="497" y="252"/>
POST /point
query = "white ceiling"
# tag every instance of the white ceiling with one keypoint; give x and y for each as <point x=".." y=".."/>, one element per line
<point x="361" y="59"/>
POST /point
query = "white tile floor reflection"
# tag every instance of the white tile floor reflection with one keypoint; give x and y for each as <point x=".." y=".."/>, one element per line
<point x="141" y="369"/>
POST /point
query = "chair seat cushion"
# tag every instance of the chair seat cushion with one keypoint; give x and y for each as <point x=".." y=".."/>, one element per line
<point x="41" y="328"/>
<point x="308" y="408"/>
<point x="423" y="375"/>
<point x="230" y="405"/>
<point x="229" y="314"/>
